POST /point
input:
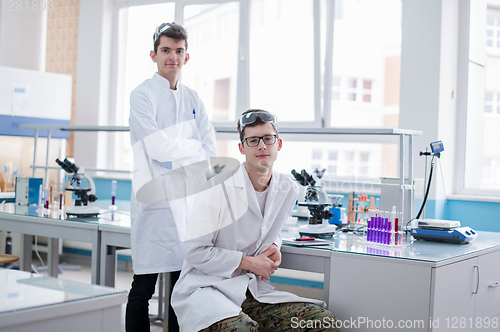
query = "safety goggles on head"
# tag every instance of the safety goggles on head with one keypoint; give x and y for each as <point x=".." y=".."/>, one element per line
<point x="251" y="117"/>
<point x="163" y="27"/>
<point x="255" y="140"/>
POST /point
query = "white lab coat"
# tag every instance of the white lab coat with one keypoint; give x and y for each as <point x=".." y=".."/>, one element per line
<point x="210" y="287"/>
<point x="156" y="114"/>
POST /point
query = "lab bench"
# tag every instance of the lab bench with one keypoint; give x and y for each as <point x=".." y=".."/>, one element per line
<point x="420" y="282"/>
<point x="429" y="285"/>
<point x="30" y="221"/>
<point x="30" y="302"/>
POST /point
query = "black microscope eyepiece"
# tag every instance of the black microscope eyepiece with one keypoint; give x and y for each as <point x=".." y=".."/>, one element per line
<point x="308" y="177"/>
<point x="67" y="165"/>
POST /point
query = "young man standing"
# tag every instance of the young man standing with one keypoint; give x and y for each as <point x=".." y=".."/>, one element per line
<point x="161" y="109"/>
<point x="233" y="246"/>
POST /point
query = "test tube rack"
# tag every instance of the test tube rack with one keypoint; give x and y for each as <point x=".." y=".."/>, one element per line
<point x="7" y="183"/>
<point x="363" y="205"/>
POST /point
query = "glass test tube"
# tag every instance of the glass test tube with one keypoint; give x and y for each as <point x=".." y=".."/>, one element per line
<point x="46" y="197"/>
<point x="113" y="192"/>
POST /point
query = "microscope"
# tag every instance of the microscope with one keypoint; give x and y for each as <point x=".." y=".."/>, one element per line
<point x="316" y="200"/>
<point x="84" y="206"/>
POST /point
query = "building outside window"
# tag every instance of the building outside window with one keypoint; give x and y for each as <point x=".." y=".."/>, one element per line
<point x="135" y="40"/>
<point x="482" y="120"/>
<point x="332" y="162"/>
<point x="493" y="31"/>
<point x="491" y="102"/>
<point x="276" y="81"/>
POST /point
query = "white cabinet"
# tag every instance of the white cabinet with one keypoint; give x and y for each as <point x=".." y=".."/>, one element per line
<point x="379" y="294"/>
<point x="453" y="301"/>
<point x="465" y="296"/>
<point x="488" y="295"/>
<point x="423" y="285"/>
<point x="453" y="294"/>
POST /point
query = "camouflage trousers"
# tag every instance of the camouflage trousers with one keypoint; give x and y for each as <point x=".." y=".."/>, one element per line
<point x="290" y="316"/>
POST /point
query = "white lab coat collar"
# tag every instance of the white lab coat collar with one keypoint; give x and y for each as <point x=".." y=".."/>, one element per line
<point x="164" y="82"/>
<point x="253" y="203"/>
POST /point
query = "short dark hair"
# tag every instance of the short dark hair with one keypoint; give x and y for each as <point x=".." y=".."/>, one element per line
<point x="175" y="31"/>
<point x="258" y="121"/>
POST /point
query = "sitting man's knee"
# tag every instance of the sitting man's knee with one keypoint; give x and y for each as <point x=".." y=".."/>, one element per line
<point x="242" y="322"/>
<point x="314" y="318"/>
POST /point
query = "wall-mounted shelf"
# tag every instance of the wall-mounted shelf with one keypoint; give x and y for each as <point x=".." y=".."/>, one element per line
<point x="404" y="187"/>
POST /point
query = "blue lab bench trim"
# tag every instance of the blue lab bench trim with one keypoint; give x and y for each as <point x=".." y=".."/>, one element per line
<point x="275" y="279"/>
<point x="480" y="216"/>
<point x="85" y="252"/>
<point x="125" y="258"/>
<point x="9" y="126"/>
<point x="296" y="282"/>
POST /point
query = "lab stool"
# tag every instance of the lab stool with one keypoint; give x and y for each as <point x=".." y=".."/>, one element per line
<point x="7" y="259"/>
<point x="163" y="301"/>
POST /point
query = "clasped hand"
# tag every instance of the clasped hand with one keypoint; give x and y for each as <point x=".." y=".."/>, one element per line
<point x="265" y="264"/>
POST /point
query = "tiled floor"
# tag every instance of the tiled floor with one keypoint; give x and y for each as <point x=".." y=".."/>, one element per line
<point x="124" y="280"/>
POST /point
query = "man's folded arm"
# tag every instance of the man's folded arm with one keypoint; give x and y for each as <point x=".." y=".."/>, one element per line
<point x="159" y="145"/>
<point x="205" y="257"/>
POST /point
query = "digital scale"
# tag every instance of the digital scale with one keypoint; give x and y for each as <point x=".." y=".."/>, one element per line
<point x="447" y="231"/>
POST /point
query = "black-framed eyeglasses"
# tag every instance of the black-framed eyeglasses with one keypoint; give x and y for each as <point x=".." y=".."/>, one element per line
<point x="163" y="27"/>
<point x="253" y="141"/>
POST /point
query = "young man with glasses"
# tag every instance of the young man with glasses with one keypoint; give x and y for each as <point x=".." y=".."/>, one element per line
<point x="168" y="127"/>
<point x="234" y="242"/>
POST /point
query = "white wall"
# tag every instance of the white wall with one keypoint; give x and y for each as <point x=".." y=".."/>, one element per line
<point x="92" y="80"/>
<point x="429" y="63"/>
<point x="23" y="37"/>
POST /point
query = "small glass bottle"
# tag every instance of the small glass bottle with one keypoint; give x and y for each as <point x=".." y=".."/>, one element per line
<point x="113" y="195"/>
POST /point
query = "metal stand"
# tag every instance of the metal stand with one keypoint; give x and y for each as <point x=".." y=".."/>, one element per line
<point x="163" y="301"/>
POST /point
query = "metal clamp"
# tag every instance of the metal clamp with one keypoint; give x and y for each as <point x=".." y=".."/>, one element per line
<point x="495" y="285"/>
<point x="477" y="285"/>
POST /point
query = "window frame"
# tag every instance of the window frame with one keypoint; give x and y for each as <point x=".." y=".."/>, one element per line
<point x="322" y="112"/>
<point x="243" y="75"/>
<point x="471" y="21"/>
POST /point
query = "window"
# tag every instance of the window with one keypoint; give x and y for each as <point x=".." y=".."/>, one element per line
<point x="367" y="91"/>
<point x="336" y="88"/>
<point x="366" y="69"/>
<point x="493" y="30"/>
<point x="213" y="49"/>
<point x="351" y="90"/>
<point x="136" y="26"/>
<point x="483" y="103"/>
<point x="342" y="161"/>
<point x="281" y="58"/>
<point x="279" y="65"/>
<point x="364" y="163"/>
<point x="317" y="154"/>
<point x="366" y="63"/>
<point x="332" y="162"/>
<point x="348" y="163"/>
<point x="491" y="172"/>
<point x="492" y="102"/>
<point x="487" y="162"/>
